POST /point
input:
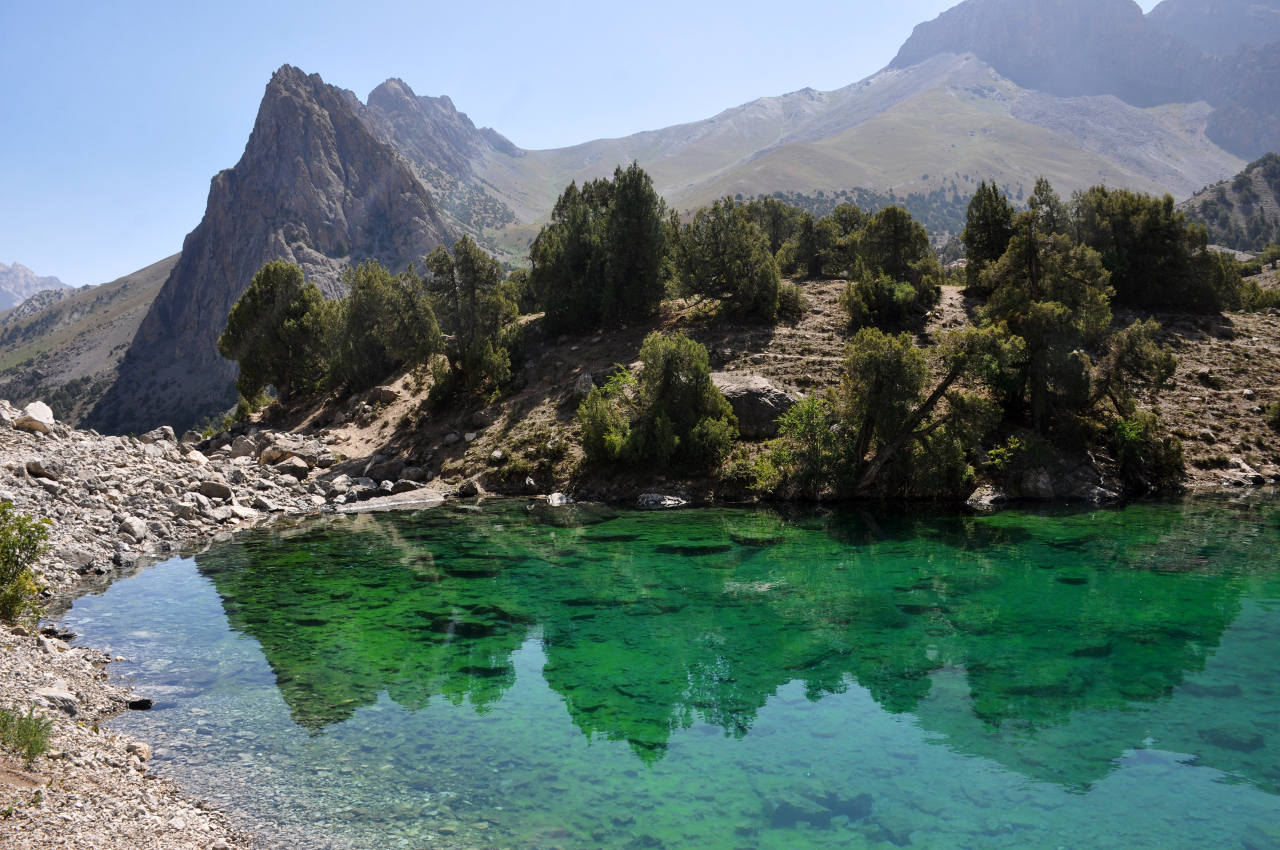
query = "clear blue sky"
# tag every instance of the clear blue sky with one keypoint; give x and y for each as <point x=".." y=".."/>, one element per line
<point x="114" y="116"/>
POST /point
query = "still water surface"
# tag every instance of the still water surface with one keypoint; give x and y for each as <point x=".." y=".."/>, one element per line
<point x="585" y="678"/>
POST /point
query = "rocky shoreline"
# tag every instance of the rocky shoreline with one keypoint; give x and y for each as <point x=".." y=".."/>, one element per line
<point x="117" y="503"/>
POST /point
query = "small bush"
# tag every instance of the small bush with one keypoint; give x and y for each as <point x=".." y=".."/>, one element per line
<point x="1149" y="457"/>
<point x="878" y="302"/>
<point x="605" y="429"/>
<point x="1255" y="299"/>
<point x="675" y="413"/>
<point x="25" y="735"/>
<point x="791" y="303"/>
<point x="22" y="541"/>
<point x="1273" y="415"/>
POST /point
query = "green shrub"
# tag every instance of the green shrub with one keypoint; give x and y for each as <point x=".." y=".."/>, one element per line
<point x="1003" y="458"/>
<point x="674" y="414"/>
<point x="25" y="735"/>
<point x="1255" y="299"/>
<point x="808" y="448"/>
<point x="22" y="541"/>
<point x="791" y="303"/>
<point x="1273" y="415"/>
<point x="1150" y="458"/>
<point x="605" y="429"/>
<point x="879" y="302"/>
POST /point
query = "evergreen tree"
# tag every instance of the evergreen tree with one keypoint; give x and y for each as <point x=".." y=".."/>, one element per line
<point x="725" y="255"/>
<point x="473" y="313"/>
<point x="600" y="260"/>
<point x="276" y="333"/>
<point x="987" y="230"/>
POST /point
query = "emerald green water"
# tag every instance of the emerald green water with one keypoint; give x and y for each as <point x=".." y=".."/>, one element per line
<point x="721" y="678"/>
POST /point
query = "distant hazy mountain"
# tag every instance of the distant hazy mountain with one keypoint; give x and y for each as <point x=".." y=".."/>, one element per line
<point x="1096" y="47"/>
<point x="1220" y="27"/>
<point x="18" y="283"/>
<point x="937" y="126"/>
<point x="315" y="187"/>
<point x="65" y="346"/>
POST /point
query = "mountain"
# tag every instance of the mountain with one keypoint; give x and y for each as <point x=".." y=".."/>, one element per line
<point x="65" y="346"/>
<point x="1242" y="212"/>
<point x="18" y="283"/>
<point x="933" y="128"/>
<point x="1219" y="28"/>
<point x="314" y="187"/>
<point x="1100" y="47"/>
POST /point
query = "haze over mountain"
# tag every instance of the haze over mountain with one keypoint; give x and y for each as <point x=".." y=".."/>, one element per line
<point x="1099" y="47"/>
<point x="18" y="283"/>
<point x="1083" y="92"/>
<point x="1220" y="28"/>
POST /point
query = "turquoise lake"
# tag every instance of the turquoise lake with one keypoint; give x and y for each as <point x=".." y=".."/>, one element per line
<point x="571" y="678"/>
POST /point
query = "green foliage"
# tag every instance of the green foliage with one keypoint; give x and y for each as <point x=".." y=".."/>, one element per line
<point x="1148" y="457"/>
<point x="386" y="321"/>
<point x="23" y="539"/>
<point x="791" y="303"/>
<point x="1255" y="299"/>
<point x="673" y="414"/>
<point x="879" y="434"/>
<point x="606" y="430"/>
<point x="601" y="259"/>
<point x="275" y="333"/>
<point x="777" y="220"/>
<point x="725" y="255"/>
<point x="1054" y="295"/>
<point x="895" y="244"/>
<point x="25" y="735"/>
<point x="1134" y="358"/>
<point x="1005" y="457"/>
<point x="879" y="302"/>
<point x="987" y="230"/>
<point x="1273" y="415"/>
<point x="474" y="313"/>
<point x="808" y="449"/>
<point x="1157" y="259"/>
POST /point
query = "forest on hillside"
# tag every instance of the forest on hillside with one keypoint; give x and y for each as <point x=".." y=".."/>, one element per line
<point x="1044" y="367"/>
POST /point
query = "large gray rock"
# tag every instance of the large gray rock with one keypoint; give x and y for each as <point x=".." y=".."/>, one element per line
<point x="163" y="434"/>
<point x="37" y="417"/>
<point x="756" y="401"/>
<point x="59" y="697"/>
<point x="215" y="489"/>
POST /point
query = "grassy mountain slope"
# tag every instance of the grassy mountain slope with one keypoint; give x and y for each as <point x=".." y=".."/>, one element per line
<point x="1242" y="212"/>
<point x="69" y="352"/>
<point x="948" y="120"/>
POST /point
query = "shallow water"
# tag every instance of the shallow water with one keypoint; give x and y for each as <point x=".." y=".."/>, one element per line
<point x="721" y="678"/>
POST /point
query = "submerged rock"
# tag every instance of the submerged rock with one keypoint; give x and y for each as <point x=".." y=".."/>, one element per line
<point x="659" y="502"/>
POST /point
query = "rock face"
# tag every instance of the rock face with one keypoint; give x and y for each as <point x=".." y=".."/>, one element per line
<point x="314" y="187"/>
<point x="1107" y="47"/>
<point x="756" y="402"/>
<point x="1221" y="27"/>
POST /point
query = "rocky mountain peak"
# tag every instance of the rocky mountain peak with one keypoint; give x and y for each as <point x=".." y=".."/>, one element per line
<point x="18" y="283"/>
<point x="315" y="187"/>
<point x="445" y="148"/>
